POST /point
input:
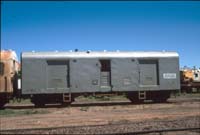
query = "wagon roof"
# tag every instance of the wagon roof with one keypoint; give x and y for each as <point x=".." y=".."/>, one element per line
<point x="104" y="54"/>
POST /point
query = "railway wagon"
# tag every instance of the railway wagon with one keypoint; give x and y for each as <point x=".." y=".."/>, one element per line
<point x="49" y="77"/>
<point x="9" y="66"/>
<point x="190" y="80"/>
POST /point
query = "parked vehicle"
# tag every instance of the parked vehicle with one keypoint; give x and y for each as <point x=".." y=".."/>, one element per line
<point x="60" y="77"/>
<point x="49" y="77"/>
<point x="9" y="67"/>
<point x="190" y="80"/>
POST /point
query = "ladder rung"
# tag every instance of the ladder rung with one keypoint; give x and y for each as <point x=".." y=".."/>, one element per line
<point x="142" y="95"/>
<point x="67" y="97"/>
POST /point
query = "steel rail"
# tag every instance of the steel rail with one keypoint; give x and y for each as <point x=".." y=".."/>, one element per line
<point x="126" y="133"/>
<point x="156" y="131"/>
<point x="101" y="103"/>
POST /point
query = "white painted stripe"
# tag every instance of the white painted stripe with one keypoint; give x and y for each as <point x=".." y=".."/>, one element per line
<point x="19" y="84"/>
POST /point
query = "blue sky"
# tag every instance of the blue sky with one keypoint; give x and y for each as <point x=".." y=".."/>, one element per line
<point x="126" y="26"/>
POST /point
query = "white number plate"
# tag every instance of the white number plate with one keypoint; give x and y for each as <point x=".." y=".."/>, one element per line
<point x="169" y="75"/>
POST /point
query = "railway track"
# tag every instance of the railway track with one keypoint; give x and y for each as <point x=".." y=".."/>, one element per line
<point x="178" y="114"/>
<point x="41" y="130"/>
<point x="103" y="103"/>
<point x="115" y="128"/>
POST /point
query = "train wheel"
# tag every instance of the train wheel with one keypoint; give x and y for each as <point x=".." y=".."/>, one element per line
<point x="66" y="103"/>
<point x="39" y="104"/>
<point x="4" y="99"/>
<point x="38" y="101"/>
<point x="160" y="100"/>
<point x="161" y="96"/>
<point x="2" y="105"/>
<point x="133" y="97"/>
<point x="135" y="100"/>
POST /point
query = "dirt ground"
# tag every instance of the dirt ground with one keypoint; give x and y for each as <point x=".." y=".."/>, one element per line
<point x="81" y="113"/>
